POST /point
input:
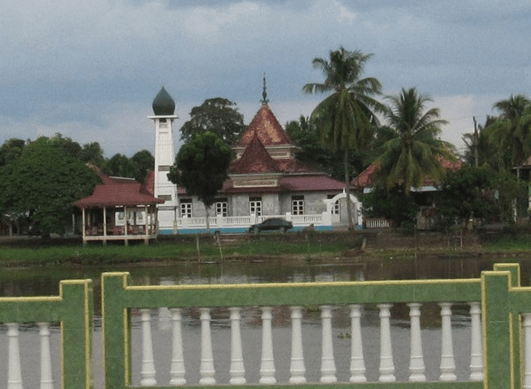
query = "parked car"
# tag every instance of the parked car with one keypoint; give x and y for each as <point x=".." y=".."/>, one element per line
<point x="272" y="224"/>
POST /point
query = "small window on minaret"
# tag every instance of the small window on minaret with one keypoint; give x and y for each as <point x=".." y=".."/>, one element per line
<point x="163" y="120"/>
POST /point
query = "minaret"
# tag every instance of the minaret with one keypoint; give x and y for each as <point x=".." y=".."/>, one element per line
<point x="164" y="115"/>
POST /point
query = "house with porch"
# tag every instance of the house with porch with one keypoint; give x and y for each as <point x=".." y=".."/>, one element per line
<point x="265" y="180"/>
<point x="120" y="209"/>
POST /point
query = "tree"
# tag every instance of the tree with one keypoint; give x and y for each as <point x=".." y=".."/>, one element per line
<point x="11" y="150"/>
<point x="201" y="167"/>
<point x="217" y="115"/>
<point x="41" y="186"/>
<point x="346" y="118"/>
<point x="478" y="144"/>
<point x="93" y="153"/>
<point x="479" y="192"/>
<point x="413" y="154"/>
<point x="512" y="129"/>
<point x="143" y="162"/>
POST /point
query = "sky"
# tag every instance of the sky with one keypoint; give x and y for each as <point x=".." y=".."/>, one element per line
<point x="90" y="69"/>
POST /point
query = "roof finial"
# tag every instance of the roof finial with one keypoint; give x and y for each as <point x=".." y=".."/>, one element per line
<point x="264" y="93"/>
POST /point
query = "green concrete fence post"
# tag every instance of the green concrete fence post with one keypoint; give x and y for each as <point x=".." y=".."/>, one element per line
<point x="76" y="333"/>
<point x="498" y="327"/>
<point x="115" y="328"/>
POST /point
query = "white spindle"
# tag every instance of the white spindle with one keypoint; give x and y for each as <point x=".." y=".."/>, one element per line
<point x="476" y="350"/>
<point x="416" y="362"/>
<point x="447" y="349"/>
<point x="297" y="368"/>
<point x="147" y="372"/>
<point x="237" y="368"/>
<point x="177" y="358"/>
<point x="46" y="359"/>
<point x="527" y="350"/>
<point x="14" y="375"/>
<point x="206" y="370"/>
<point x="387" y="367"/>
<point x="328" y="366"/>
<point x="357" y="363"/>
<point x="267" y="368"/>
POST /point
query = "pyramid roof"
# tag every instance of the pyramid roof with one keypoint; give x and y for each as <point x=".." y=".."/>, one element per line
<point x="255" y="159"/>
<point x="267" y="128"/>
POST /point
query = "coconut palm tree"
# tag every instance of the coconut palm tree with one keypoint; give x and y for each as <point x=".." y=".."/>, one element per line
<point x="346" y="117"/>
<point x="414" y="153"/>
<point x="512" y="130"/>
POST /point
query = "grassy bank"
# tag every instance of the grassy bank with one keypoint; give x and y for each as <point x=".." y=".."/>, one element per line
<point x="185" y="249"/>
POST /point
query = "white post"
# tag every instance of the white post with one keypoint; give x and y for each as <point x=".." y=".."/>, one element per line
<point x="177" y="358"/>
<point x="476" y="351"/>
<point x="46" y="359"/>
<point x="357" y="364"/>
<point x="206" y="370"/>
<point x="387" y="367"/>
<point x="328" y="366"/>
<point x="147" y="373"/>
<point x="527" y="350"/>
<point x="447" y="349"/>
<point x="14" y="375"/>
<point x="416" y="361"/>
<point x="297" y="368"/>
<point x="237" y="368"/>
<point x="267" y="368"/>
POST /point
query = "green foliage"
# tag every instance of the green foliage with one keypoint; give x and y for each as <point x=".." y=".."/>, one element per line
<point x="478" y="192"/>
<point x="42" y="184"/>
<point x="217" y="115"/>
<point x="511" y="131"/>
<point x="11" y="150"/>
<point x="413" y="153"/>
<point x="201" y="166"/>
<point x="394" y="204"/>
<point x="305" y="134"/>
<point x="346" y="118"/>
<point x="135" y="167"/>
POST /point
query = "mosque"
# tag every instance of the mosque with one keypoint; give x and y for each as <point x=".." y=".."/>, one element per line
<point x="265" y="180"/>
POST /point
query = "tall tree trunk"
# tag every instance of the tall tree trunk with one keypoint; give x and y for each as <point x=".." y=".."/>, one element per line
<point x="347" y="191"/>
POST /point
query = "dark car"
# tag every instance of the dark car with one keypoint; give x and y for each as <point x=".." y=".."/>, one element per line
<point x="272" y="224"/>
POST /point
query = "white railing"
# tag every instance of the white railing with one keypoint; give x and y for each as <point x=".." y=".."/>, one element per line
<point x="377" y="223"/>
<point x="247" y="221"/>
<point x="265" y="372"/>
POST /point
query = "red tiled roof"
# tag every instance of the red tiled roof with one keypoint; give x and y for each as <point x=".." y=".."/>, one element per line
<point x="307" y="183"/>
<point x="108" y="195"/>
<point x="148" y="187"/>
<point x="255" y="159"/>
<point x="266" y="126"/>
<point x="363" y="179"/>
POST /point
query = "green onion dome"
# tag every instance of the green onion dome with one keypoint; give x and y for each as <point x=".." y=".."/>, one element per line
<point x="163" y="104"/>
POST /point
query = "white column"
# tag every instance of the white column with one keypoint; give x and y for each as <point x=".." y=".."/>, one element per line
<point x="328" y="366"/>
<point x="237" y="368"/>
<point x="46" y="359"/>
<point x="416" y="361"/>
<point x="14" y="375"/>
<point x="297" y="368"/>
<point x="147" y="372"/>
<point x="447" y="349"/>
<point x="267" y="368"/>
<point x="357" y="363"/>
<point x="206" y="370"/>
<point x="387" y="367"/>
<point x="177" y="358"/>
<point x="476" y="351"/>
<point x="527" y="350"/>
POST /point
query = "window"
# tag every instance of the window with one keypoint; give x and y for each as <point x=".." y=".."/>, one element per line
<point x="164" y="168"/>
<point x="222" y="207"/>
<point x="297" y="205"/>
<point x="335" y="207"/>
<point x="186" y="208"/>
<point x="255" y="206"/>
